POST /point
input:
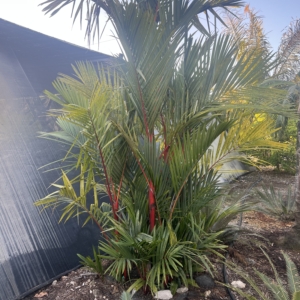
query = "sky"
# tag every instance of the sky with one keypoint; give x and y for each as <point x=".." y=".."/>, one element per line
<point x="277" y="16"/>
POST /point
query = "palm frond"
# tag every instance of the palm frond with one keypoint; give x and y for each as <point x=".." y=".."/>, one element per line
<point x="292" y="275"/>
<point x="181" y="11"/>
<point x="289" y="52"/>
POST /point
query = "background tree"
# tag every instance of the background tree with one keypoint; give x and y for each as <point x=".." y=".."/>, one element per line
<point x="249" y="34"/>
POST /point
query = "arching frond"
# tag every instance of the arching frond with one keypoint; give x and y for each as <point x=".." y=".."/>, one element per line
<point x="289" y="52"/>
<point x="182" y="12"/>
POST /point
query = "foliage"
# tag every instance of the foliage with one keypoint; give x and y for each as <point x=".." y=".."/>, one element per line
<point x="284" y="159"/>
<point x="248" y="32"/>
<point x="94" y="263"/>
<point x="288" y="52"/>
<point x="276" y="287"/>
<point x="92" y="11"/>
<point x="151" y="133"/>
<point x="125" y="296"/>
<point x="276" y="204"/>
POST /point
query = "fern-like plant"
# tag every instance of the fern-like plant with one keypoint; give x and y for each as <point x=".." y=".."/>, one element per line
<point x="126" y="296"/>
<point x="276" y="287"/>
<point x="94" y="263"/>
<point x="276" y="204"/>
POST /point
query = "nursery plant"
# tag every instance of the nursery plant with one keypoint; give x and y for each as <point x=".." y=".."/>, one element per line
<point x="151" y="131"/>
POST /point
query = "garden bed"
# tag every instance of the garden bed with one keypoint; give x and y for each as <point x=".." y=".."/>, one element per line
<point x="261" y="230"/>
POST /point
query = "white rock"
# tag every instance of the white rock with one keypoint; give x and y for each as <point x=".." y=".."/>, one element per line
<point x="163" y="295"/>
<point x="96" y="292"/>
<point x="72" y="283"/>
<point x="182" y="290"/>
<point x="238" y="284"/>
<point x="133" y="292"/>
<point x="207" y="293"/>
<point x="54" y="282"/>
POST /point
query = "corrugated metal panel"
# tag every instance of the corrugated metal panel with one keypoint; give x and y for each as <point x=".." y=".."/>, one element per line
<point x="33" y="246"/>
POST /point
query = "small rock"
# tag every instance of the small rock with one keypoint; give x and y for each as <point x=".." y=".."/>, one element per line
<point x="183" y="296"/>
<point x="110" y="279"/>
<point x="163" y="295"/>
<point x="64" y="278"/>
<point x="182" y="290"/>
<point x="133" y="292"/>
<point x="92" y="283"/>
<point x="41" y="295"/>
<point x="205" y="281"/>
<point x="72" y="282"/>
<point x="238" y="284"/>
<point x="115" y="290"/>
<point x="96" y="292"/>
<point x="207" y="293"/>
<point x="251" y="261"/>
<point x="54" y="282"/>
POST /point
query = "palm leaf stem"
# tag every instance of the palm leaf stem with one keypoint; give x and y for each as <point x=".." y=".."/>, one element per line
<point x="152" y="205"/>
<point x="93" y="218"/>
<point x="107" y="184"/>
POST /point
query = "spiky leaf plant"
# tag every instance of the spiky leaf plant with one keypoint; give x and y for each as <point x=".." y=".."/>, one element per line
<point x="276" y="204"/>
<point x="151" y="132"/>
<point x="126" y="296"/>
<point x="276" y="287"/>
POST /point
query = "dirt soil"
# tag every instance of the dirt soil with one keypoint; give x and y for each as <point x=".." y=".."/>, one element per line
<point x="261" y="230"/>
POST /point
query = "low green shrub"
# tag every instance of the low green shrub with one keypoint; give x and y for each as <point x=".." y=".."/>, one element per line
<point x="276" y="204"/>
<point x="284" y="159"/>
<point x="94" y="263"/>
